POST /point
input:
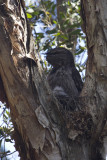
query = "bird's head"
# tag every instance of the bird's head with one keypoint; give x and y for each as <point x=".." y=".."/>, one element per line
<point x="58" y="57"/>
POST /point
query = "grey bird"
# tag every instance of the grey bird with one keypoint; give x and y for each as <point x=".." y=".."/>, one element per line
<point x="64" y="79"/>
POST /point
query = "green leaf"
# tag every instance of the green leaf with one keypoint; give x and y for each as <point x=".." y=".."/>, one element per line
<point x="35" y="13"/>
<point x="76" y="25"/>
<point x="7" y="112"/>
<point x="77" y="31"/>
<point x="5" y="116"/>
<point x="53" y="9"/>
<point x="64" y="37"/>
<point x="0" y="142"/>
<point x="47" y="13"/>
<point x="45" y="63"/>
<point x="57" y="34"/>
<point x="79" y="52"/>
<point x="51" y="31"/>
<point x="29" y="15"/>
<point x="54" y="21"/>
<point x="1" y="131"/>
<point x="69" y="3"/>
<point x="40" y="35"/>
<point x="62" y="15"/>
<point x="8" y="140"/>
<point x="82" y="48"/>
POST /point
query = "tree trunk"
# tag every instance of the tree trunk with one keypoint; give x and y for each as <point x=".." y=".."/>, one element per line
<point x="41" y="132"/>
<point x="94" y="16"/>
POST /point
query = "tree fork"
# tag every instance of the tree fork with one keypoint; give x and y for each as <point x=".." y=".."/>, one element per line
<point x="34" y="111"/>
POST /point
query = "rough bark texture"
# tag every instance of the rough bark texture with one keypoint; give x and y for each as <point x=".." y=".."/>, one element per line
<point x="94" y="14"/>
<point x="41" y="131"/>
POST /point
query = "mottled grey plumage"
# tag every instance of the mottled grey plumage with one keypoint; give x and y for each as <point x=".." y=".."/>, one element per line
<point x="64" y="79"/>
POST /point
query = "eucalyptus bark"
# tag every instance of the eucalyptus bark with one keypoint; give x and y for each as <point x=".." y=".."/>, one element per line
<point x="94" y="16"/>
<point x="41" y="132"/>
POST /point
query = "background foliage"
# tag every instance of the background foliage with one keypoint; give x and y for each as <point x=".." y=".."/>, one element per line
<point x="58" y="25"/>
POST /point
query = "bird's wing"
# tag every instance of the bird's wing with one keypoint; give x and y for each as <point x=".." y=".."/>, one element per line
<point x="62" y="78"/>
<point x="77" y="79"/>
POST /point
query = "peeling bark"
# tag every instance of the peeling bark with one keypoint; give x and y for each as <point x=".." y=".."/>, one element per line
<point x="42" y="132"/>
<point x="94" y="16"/>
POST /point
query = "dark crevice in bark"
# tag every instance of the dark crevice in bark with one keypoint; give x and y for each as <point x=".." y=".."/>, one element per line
<point x="19" y="143"/>
<point x="3" y="97"/>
